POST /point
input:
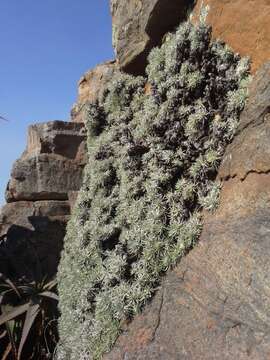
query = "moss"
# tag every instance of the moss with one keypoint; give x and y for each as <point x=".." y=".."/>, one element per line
<point x="153" y="159"/>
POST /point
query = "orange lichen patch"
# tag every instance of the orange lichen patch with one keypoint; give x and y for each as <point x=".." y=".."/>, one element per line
<point x="243" y="24"/>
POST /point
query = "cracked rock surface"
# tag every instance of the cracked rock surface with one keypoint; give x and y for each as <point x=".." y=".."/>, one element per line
<point x="42" y="189"/>
<point x="52" y="163"/>
<point x="91" y="87"/>
<point x="243" y="24"/>
<point x="140" y="25"/>
<point x="216" y="303"/>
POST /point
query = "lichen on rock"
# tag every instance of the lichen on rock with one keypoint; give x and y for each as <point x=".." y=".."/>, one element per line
<point x="153" y="158"/>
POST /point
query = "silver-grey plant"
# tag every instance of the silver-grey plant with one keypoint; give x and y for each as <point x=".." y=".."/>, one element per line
<point x="153" y="159"/>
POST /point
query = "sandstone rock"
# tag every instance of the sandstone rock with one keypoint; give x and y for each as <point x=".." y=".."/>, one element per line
<point x="43" y="177"/>
<point x="19" y="213"/>
<point x="216" y="303"/>
<point x="139" y="25"/>
<point x="52" y="164"/>
<point x="57" y="137"/>
<point x="32" y="224"/>
<point x="91" y="87"/>
<point x="243" y="24"/>
<point x="72" y="197"/>
<point x="31" y="236"/>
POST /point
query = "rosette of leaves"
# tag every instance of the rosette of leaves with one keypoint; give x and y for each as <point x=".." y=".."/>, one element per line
<point x="28" y="319"/>
<point x="153" y="160"/>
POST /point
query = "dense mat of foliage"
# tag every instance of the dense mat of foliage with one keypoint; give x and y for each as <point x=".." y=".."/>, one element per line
<point x="153" y="157"/>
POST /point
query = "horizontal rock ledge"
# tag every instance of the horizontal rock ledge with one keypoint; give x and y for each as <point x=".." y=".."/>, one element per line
<point x="52" y="164"/>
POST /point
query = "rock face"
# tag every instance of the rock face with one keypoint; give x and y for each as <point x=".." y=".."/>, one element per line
<point x="43" y="177"/>
<point x="91" y="87"/>
<point x="139" y="25"/>
<point x="52" y="164"/>
<point x="57" y="137"/>
<point x="216" y="303"/>
<point x="32" y="234"/>
<point x="40" y="193"/>
<point x="243" y="24"/>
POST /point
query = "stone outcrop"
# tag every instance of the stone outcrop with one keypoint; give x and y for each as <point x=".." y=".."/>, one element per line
<point x="91" y="87"/>
<point x="32" y="234"/>
<point x="243" y="24"/>
<point x="139" y="25"/>
<point x="216" y="303"/>
<point x="42" y="189"/>
<point x="52" y="164"/>
<point x="43" y="177"/>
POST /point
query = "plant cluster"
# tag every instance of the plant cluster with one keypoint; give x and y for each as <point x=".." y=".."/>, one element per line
<point x="153" y="159"/>
<point x="28" y="319"/>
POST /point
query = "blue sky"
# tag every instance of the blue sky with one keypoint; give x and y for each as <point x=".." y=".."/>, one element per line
<point x="45" y="48"/>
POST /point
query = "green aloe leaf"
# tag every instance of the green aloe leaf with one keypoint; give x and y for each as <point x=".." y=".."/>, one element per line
<point x="11" y="284"/>
<point x="50" y="284"/>
<point x="18" y="310"/>
<point x="7" y="352"/>
<point x="31" y="314"/>
<point x="50" y="295"/>
<point x="3" y="334"/>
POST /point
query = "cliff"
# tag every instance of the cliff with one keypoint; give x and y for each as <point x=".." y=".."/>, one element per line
<point x="213" y="303"/>
<point x="39" y="196"/>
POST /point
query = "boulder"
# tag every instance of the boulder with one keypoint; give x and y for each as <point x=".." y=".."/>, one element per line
<point x="216" y="303"/>
<point x="91" y="87"/>
<point x="243" y="24"/>
<point x="52" y="164"/>
<point x="139" y="25"/>
<point x="31" y="237"/>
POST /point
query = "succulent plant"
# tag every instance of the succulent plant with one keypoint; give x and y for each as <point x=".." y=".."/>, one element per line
<point x="153" y="159"/>
<point x="28" y="318"/>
